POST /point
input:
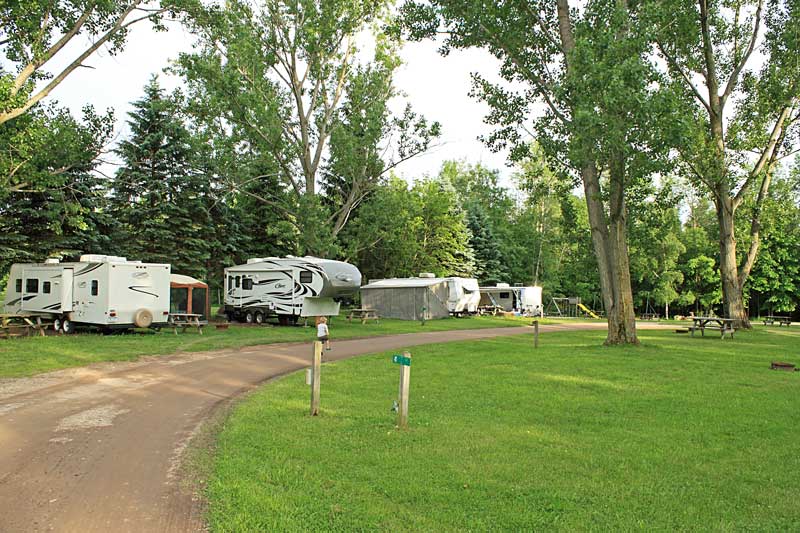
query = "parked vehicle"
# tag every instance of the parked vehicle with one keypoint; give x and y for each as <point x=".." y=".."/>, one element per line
<point x="504" y="297"/>
<point x="287" y="287"/>
<point x="98" y="290"/>
<point x="425" y="297"/>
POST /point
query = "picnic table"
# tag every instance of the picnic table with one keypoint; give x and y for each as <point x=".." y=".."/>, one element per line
<point x="650" y="316"/>
<point x="781" y="320"/>
<point x="186" y="320"/>
<point x="21" y="324"/>
<point x="723" y="325"/>
<point x="363" y="315"/>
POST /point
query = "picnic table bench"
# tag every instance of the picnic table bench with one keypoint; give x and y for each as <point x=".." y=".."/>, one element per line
<point x="702" y="323"/>
<point x="19" y="325"/>
<point x="186" y="320"/>
<point x="650" y="316"/>
<point x="781" y="320"/>
<point x="363" y="315"/>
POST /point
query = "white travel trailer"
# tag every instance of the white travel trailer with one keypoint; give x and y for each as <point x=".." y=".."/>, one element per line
<point x="98" y="290"/>
<point x="526" y="300"/>
<point x="287" y="287"/>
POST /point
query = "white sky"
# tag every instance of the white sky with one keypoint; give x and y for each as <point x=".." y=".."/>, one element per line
<point x="436" y="86"/>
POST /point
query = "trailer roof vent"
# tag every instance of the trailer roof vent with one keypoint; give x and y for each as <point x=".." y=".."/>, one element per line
<point x="427" y="275"/>
<point x="51" y="261"/>
<point x="503" y="285"/>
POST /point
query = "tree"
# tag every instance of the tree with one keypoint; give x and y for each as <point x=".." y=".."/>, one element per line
<point x="587" y="69"/>
<point x="158" y="197"/>
<point x="288" y="78"/>
<point x="709" y="50"/>
<point x="52" y="202"/>
<point x="35" y="34"/>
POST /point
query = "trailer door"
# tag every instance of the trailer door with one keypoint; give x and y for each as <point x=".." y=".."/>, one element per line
<point x="66" y="289"/>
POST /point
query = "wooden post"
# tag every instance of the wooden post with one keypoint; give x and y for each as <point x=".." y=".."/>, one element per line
<point x="535" y="333"/>
<point x="315" y="366"/>
<point x="405" y="378"/>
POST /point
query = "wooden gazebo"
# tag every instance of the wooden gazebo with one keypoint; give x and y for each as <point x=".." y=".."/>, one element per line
<point x="189" y="295"/>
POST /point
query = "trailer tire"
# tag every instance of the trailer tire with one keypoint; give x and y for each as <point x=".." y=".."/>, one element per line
<point x="259" y="318"/>
<point x="143" y="318"/>
<point x="67" y="326"/>
<point x="248" y="317"/>
<point x="57" y="324"/>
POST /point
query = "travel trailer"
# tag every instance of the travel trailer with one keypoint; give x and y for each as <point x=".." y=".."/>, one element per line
<point x="526" y="300"/>
<point x="287" y="287"/>
<point x="424" y="297"/>
<point x="98" y="290"/>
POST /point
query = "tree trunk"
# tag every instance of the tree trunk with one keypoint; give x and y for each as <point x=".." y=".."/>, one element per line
<point x="621" y="319"/>
<point x="611" y="251"/>
<point x="733" y="302"/>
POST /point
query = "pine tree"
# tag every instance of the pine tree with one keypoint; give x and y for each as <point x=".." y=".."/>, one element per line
<point x="160" y="201"/>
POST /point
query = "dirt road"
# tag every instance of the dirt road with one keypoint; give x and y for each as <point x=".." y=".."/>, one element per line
<point x="99" y="448"/>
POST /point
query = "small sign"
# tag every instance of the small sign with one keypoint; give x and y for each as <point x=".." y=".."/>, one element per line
<point x="401" y="360"/>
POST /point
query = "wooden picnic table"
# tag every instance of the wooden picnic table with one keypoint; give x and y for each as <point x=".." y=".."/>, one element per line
<point x="363" y="315"/>
<point x="723" y="325"/>
<point x="186" y="320"/>
<point x="17" y="325"/>
<point x="781" y="320"/>
<point x="650" y="316"/>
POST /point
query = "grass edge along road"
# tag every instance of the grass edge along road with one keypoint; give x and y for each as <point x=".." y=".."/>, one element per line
<point x="32" y="355"/>
<point x="678" y="433"/>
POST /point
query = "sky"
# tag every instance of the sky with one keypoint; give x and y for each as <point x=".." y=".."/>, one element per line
<point x="436" y="86"/>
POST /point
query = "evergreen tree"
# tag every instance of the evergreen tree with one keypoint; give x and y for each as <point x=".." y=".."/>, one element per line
<point x="488" y="260"/>
<point x="160" y="201"/>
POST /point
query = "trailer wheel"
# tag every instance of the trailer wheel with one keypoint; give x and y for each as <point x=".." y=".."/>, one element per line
<point x="259" y="318"/>
<point x="57" y="324"/>
<point x="248" y="317"/>
<point x="68" y="326"/>
<point x="143" y="318"/>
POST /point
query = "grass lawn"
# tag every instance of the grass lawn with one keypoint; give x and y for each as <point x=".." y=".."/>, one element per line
<point x="31" y="355"/>
<point x="680" y="433"/>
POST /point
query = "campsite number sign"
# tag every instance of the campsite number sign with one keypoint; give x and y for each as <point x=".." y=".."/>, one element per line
<point x="401" y="360"/>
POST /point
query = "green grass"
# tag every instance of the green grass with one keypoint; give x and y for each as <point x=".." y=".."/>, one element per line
<point x="680" y="433"/>
<point x="31" y="355"/>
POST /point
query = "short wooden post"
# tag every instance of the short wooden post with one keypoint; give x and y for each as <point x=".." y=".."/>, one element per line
<point x="315" y="367"/>
<point x="535" y="333"/>
<point x="405" y="378"/>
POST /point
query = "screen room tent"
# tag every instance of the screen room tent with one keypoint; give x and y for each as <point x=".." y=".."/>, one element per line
<point x="407" y="298"/>
<point x="188" y="295"/>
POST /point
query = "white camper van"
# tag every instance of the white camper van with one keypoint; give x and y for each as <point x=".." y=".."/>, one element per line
<point x="99" y="290"/>
<point x="287" y="287"/>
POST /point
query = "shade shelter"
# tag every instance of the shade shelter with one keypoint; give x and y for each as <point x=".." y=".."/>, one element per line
<point x="189" y="295"/>
<point x="407" y="298"/>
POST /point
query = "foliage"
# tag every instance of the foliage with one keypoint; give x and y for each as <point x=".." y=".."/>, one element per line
<point x="35" y="34"/>
<point x="287" y="78"/>
<point x="52" y="204"/>
<point x="159" y="200"/>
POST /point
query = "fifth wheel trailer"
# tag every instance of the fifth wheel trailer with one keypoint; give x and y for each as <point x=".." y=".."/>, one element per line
<point x="288" y="287"/>
<point x="98" y="290"/>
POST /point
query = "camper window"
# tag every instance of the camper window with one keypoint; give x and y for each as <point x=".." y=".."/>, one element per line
<point x="238" y="281"/>
<point x="230" y="282"/>
<point x="32" y="286"/>
<point x="306" y="277"/>
<point x="19" y="285"/>
<point x="46" y="287"/>
<point x="247" y="284"/>
<point x="505" y="295"/>
<point x="95" y="287"/>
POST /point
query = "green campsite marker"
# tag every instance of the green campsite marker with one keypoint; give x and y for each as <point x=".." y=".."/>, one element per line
<point x="401" y="360"/>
